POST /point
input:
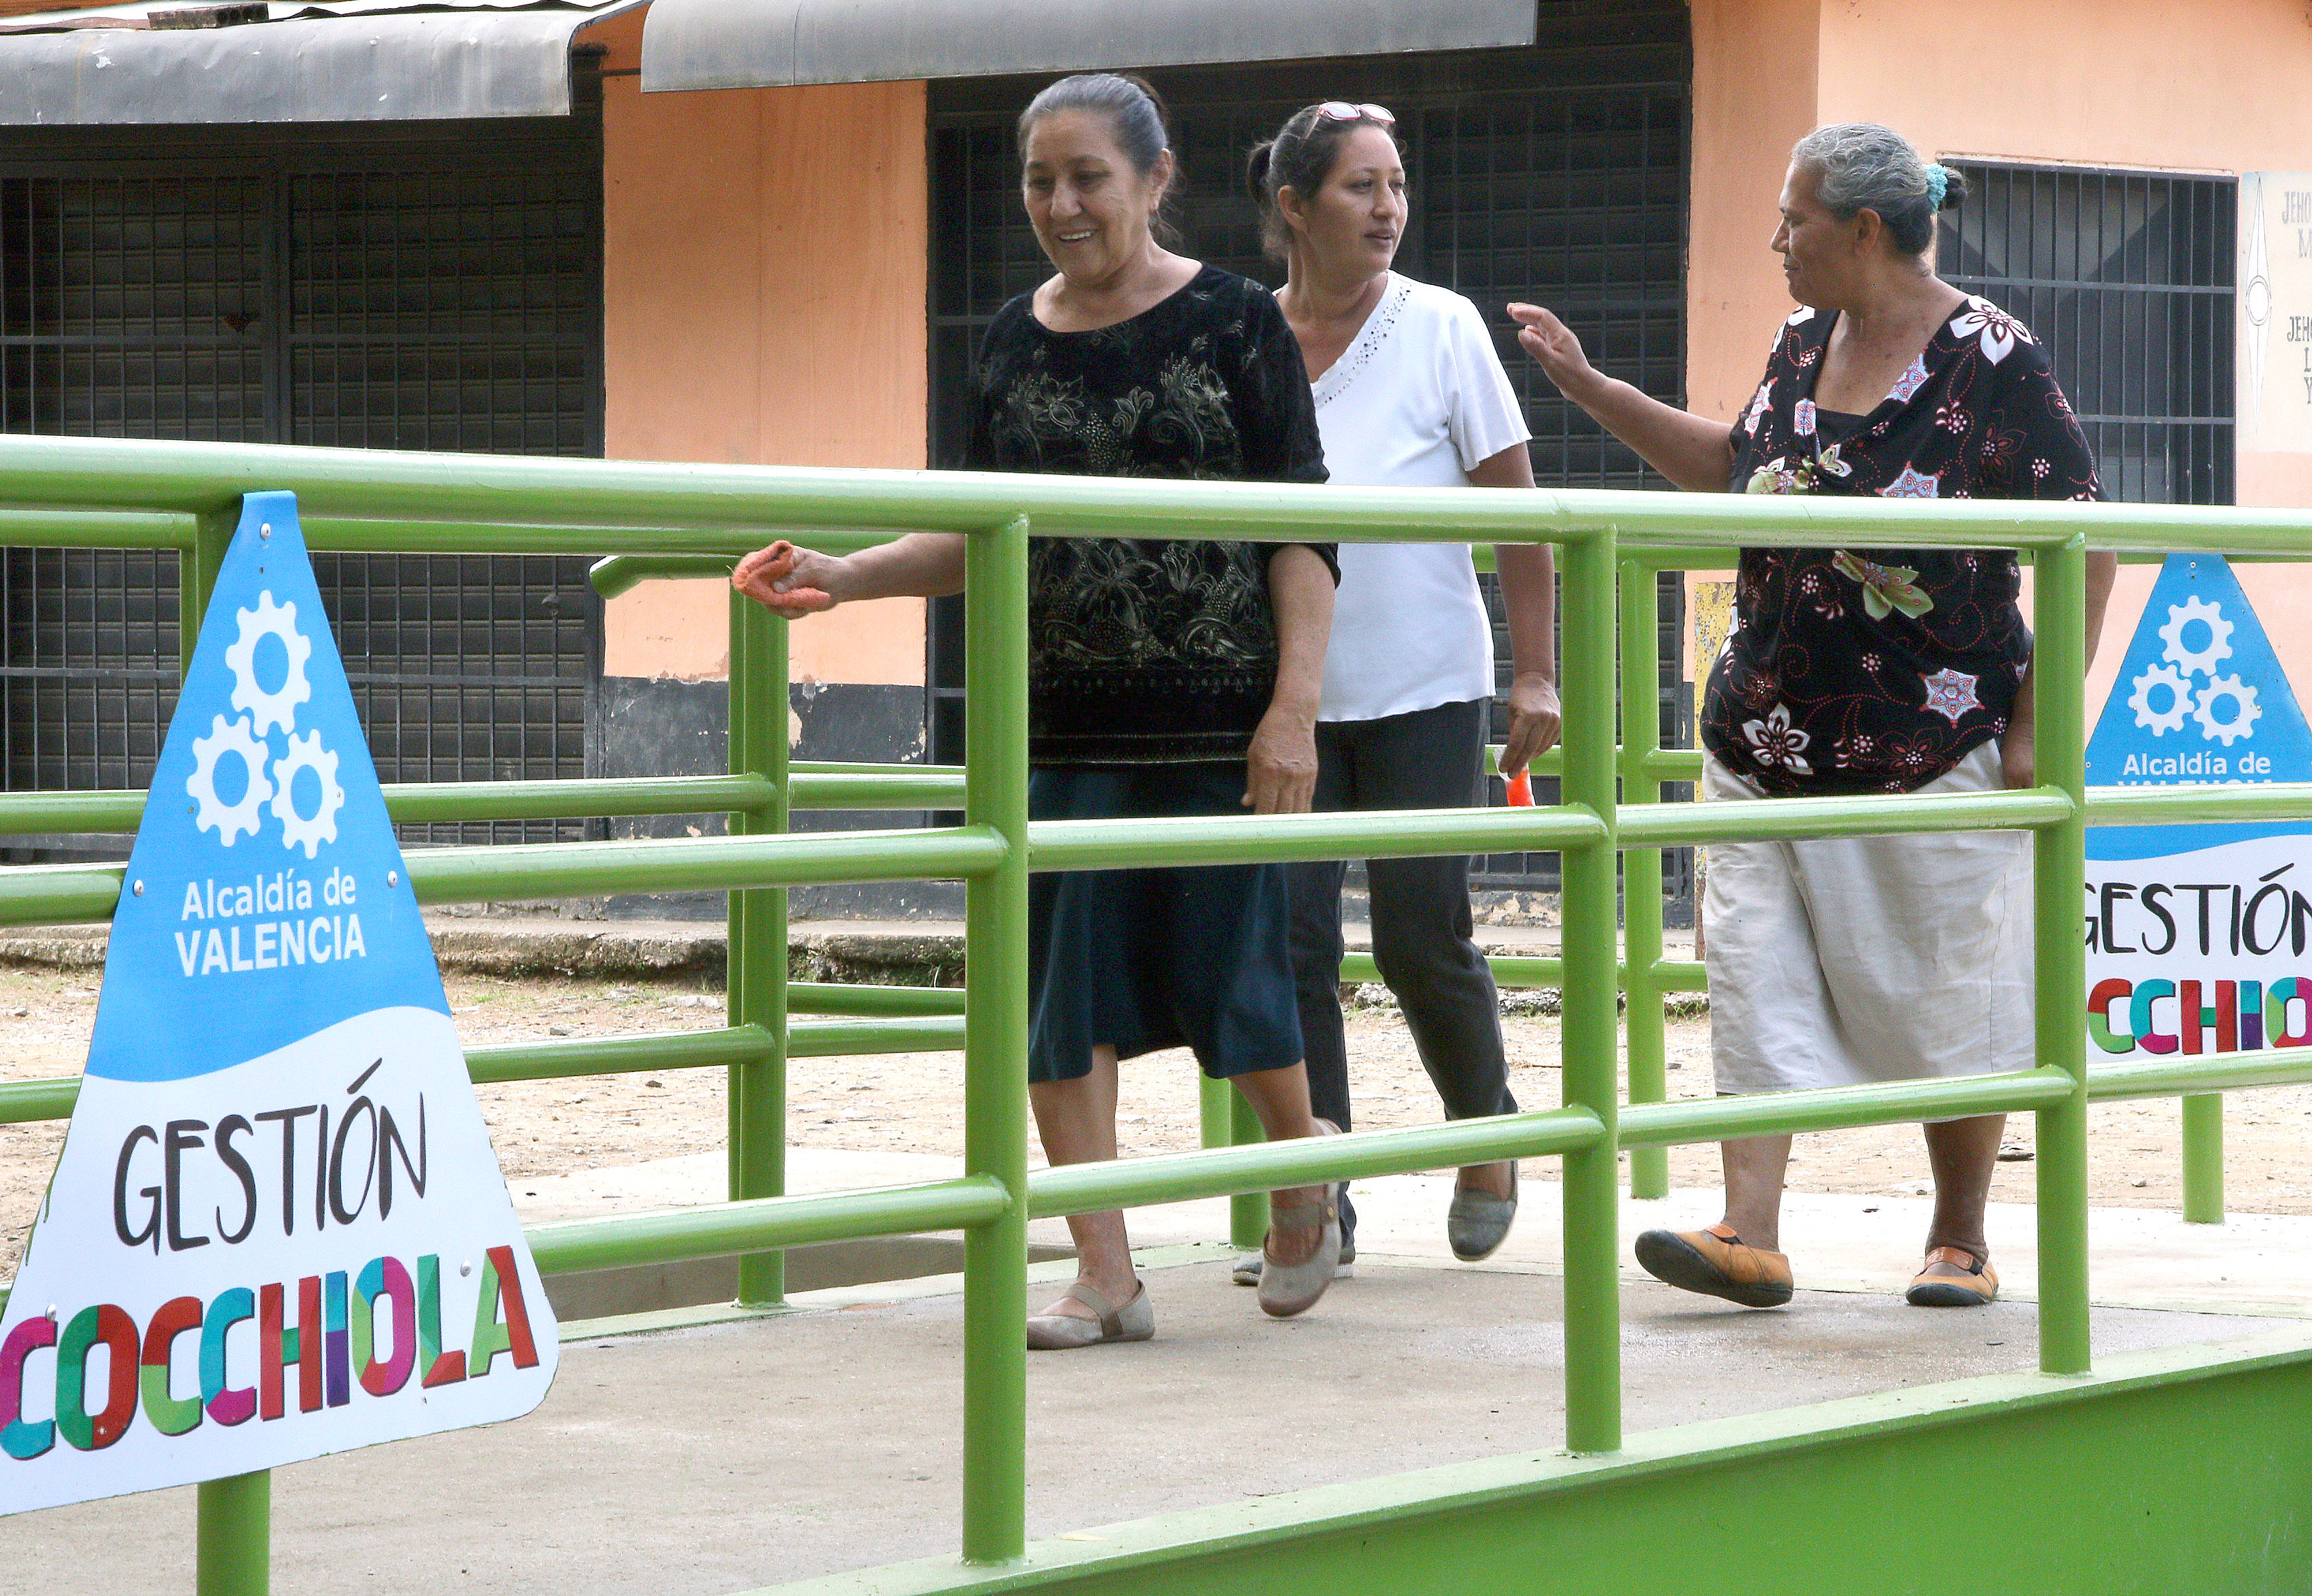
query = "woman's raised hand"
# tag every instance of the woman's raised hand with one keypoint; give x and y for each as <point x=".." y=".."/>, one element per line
<point x="789" y="581"/>
<point x="1553" y="344"/>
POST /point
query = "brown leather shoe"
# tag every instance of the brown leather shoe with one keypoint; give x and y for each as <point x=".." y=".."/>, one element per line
<point x="1979" y="1285"/>
<point x="1717" y="1263"/>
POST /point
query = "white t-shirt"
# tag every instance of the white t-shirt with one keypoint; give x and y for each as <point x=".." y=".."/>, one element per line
<point x="1415" y="401"/>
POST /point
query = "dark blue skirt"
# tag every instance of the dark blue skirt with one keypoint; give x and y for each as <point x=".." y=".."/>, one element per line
<point x="1143" y="959"/>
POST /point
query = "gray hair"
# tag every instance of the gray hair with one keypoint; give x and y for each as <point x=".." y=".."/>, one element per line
<point x="1864" y="166"/>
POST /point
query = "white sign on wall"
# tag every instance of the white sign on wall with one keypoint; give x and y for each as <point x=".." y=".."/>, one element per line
<point x="2273" y="364"/>
<point x="277" y="1228"/>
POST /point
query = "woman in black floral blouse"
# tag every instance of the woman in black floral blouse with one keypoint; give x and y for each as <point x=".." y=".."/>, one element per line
<point x="1864" y="671"/>
<point x="1165" y="678"/>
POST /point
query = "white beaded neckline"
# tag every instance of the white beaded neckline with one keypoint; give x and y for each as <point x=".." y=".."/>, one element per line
<point x="1369" y="340"/>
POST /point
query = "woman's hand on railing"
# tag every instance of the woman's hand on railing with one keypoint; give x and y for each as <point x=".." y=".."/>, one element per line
<point x="1281" y="771"/>
<point x="1535" y="721"/>
<point x="789" y="581"/>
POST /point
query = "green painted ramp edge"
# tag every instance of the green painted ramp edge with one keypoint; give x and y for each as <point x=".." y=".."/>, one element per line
<point x="2186" y="1469"/>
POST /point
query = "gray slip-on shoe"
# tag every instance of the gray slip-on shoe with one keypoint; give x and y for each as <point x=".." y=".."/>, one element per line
<point x="1477" y="1222"/>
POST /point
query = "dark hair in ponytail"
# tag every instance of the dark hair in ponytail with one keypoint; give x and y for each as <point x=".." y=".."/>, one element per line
<point x="1300" y="157"/>
<point x="1135" y="113"/>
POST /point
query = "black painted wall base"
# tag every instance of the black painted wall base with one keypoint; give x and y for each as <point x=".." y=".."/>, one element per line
<point x="651" y="727"/>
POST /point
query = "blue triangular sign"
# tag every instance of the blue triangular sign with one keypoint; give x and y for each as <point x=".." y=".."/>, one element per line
<point x="276" y="1227"/>
<point x="2194" y="933"/>
<point x="2201" y="698"/>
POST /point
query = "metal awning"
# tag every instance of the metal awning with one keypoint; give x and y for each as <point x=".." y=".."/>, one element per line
<point x="335" y="61"/>
<point x="740" y="44"/>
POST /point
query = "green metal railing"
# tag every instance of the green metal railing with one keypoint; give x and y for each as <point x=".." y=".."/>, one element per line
<point x="659" y="521"/>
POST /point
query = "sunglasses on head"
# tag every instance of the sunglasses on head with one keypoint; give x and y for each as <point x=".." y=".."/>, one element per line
<point x="1341" y="110"/>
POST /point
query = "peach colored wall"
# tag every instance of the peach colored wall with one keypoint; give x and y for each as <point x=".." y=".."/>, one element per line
<point x="764" y="284"/>
<point x="2213" y="86"/>
<point x="1754" y="97"/>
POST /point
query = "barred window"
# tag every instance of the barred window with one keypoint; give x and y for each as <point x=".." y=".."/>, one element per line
<point x="409" y="286"/>
<point x="2127" y="278"/>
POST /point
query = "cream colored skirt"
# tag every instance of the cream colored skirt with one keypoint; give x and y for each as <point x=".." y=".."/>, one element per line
<point x="1859" y="959"/>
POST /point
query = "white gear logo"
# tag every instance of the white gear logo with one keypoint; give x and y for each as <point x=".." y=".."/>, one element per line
<point x="2160" y="722"/>
<point x="230" y="819"/>
<point x="2245" y="713"/>
<point x="2192" y="662"/>
<point x="306" y="753"/>
<point x="278" y="620"/>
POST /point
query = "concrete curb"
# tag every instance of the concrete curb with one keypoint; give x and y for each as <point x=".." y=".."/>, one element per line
<point x="884" y="953"/>
<point x="646" y="950"/>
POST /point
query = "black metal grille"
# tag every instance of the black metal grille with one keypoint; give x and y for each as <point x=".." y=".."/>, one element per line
<point x="1556" y="173"/>
<point x="2127" y="277"/>
<point x="87" y="665"/>
<point x="410" y="286"/>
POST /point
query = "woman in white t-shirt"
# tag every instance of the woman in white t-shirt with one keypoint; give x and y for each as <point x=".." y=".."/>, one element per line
<point x="1410" y="392"/>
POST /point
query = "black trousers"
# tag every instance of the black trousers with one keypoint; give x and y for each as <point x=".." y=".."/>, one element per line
<point x="1429" y="758"/>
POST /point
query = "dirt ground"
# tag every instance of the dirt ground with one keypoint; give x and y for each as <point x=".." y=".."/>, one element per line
<point x="912" y="1102"/>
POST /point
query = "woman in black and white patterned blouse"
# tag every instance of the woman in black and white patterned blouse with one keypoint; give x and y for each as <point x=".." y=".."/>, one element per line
<point x="1164" y="677"/>
<point x="1864" y="671"/>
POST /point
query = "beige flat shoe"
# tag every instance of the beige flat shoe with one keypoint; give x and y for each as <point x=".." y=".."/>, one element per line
<point x="1245" y="1269"/>
<point x="1059" y="1332"/>
<point x="1287" y="1289"/>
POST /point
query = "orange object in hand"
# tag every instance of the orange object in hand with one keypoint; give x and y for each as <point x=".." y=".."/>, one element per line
<point x="1520" y="792"/>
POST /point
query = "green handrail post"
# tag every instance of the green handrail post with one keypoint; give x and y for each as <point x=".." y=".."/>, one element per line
<point x="1642" y="899"/>
<point x="757" y="984"/>
<point x="1248" y="1210"/>
<point x="235" y="1536"/>
<point x="196" y="573"/>
<point x="2204" y="1158"/>
<point x="1593" y="1328"/>
<point x="1215" y="1126"/>
<point x="2059" y="860"/>
<point x="1224" y="1119"/>
<point x="995" y="1048"/>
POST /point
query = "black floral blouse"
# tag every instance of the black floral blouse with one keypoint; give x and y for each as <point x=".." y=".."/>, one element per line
<point x="1147" y="652"/>
<point x="1878" y="670"/>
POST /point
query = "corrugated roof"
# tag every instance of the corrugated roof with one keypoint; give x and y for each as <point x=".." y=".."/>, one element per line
<point x="736" y="44"/>
<point x="133" y="16"/>
<point x="308" y="61"/>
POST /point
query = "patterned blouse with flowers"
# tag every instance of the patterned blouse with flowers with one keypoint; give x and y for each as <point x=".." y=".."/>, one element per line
<point x="1140" y="650"/>
<point x="1878" y="670"/>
